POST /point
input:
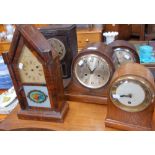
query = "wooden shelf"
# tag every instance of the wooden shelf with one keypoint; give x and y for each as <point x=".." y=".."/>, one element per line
<point x="81" y="116"/>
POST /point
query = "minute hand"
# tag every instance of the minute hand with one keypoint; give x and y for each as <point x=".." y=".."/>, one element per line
<point x="91" y="71"/>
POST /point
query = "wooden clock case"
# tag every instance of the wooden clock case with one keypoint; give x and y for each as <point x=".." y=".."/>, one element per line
<point x="125" y="44"/>
<point x="67" y="35"/>
<point x="77" y="92"/>
<point x="28" y="35"/>
<point x="123" y="120"/>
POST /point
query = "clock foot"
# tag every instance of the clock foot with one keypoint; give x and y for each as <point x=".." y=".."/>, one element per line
<point x="44" y="115"/>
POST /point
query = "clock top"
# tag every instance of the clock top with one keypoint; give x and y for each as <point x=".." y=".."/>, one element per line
<point x="58" y="27"/>
<point x="32" y="35"/>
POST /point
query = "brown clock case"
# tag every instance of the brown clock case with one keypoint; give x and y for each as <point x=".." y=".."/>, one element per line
<point x="125" y="44"/>
<point x="77" y="92"/>
<point x="123" y="120"/>
<point x="67" y="35"/>
<point x="28" y="35"/>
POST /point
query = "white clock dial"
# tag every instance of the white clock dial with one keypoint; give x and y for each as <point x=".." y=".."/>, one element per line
<point x="58" y="46"/>
<point x="122" y="55"/>
<point x="130" y="94"/>
<point x="92" y="71"/>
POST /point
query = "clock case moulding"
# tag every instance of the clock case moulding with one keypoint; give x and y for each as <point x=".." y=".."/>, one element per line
<point x="28" y="35"/>
<point x="125" y="45"/>
<point x="76" y="91"/>
<point x="123" y="120"/>
<point x="66" y="33"/>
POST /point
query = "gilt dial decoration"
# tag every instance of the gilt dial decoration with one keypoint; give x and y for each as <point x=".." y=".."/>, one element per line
<point x="58" y="46"/>
<point x="122" y="55"/>
<point x="92" y="71"/>
<point x="30" y="69"/>
<point x="131" y="94"/>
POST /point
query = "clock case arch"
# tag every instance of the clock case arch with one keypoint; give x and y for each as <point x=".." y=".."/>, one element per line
<point x="121" y="119"/>
<point x="75" y="91"/>
<point x="33" y="39"/>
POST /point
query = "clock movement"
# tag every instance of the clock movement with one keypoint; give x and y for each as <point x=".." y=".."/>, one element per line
<point x="64" y="40"/>
<point x="123" y="52"/>
<point x="36" y="73"/>
<point x="92" y="70"/>
<point x="131" y="98"/>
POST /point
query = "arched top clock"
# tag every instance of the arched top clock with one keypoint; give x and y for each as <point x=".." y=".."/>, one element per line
<point x="93" y="67"/>
<point x="35" y="69"/>
<point x="92" y="70"/>
<point x="123" y="52"/>
<point x="131" y="98"/>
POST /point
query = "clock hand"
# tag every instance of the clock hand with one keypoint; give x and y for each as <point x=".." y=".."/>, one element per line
<point x="129" y="95"/>
<point x="93" y="70"/>
<point x="89" y="68"/>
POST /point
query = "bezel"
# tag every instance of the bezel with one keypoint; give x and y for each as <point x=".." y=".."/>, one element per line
<point x="94" y="53"/>
<point x="78" y="78"/>
<point x="125" y="50"/>
<point x="125" y="45"/>
<point x="149" y="91"/>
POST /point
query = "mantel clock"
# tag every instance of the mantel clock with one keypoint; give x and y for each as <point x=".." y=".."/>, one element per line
<point x="123" y="52"/>
<point x="92" y="70"/>
<point x="131" y="98"/>
<point x="62" y="37"/>
<point x="36" y="73"/>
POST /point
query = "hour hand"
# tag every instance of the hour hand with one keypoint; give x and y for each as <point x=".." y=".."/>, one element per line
<point x="129" y="95"/>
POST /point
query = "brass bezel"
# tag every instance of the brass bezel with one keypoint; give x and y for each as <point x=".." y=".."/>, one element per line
<point x="82" y="83"/>
<point x="149" y="91"/>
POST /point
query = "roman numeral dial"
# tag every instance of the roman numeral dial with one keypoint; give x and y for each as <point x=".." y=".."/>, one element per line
<point x="92" y="71"/>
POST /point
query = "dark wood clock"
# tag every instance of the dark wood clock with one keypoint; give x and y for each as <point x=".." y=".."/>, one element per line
<point x="92" y="70"/>
<point x="123" y="52"/>
<point x="64" y="40"/>
<point x="36" y="73"/>
<point x="131" y="98"/>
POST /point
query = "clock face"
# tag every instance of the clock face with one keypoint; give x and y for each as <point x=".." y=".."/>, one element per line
<point x="130" y="94"/>
<point x="122" y="55"/>
<point x="30" y="69"/>
<point x="58" y="46"/>
<point x="92" y="71"/>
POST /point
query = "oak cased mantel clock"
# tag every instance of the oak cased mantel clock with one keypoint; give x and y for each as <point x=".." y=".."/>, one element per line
<point x="131" y="98"/>
<point x="92" y="70"/>
<point x="123" y="52"/>
<point x="63" y="38"/>
<point x="36" y="73"/>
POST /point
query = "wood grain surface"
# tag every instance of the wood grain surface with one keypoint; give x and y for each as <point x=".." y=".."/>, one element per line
<point x="80" y="117"/>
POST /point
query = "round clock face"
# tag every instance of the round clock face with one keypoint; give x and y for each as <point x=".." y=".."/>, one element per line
<point x="130" y="94"/>
<point x="58" y="46"/>
<point x="122" y="55"/>
<point x="92" y="71"/>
